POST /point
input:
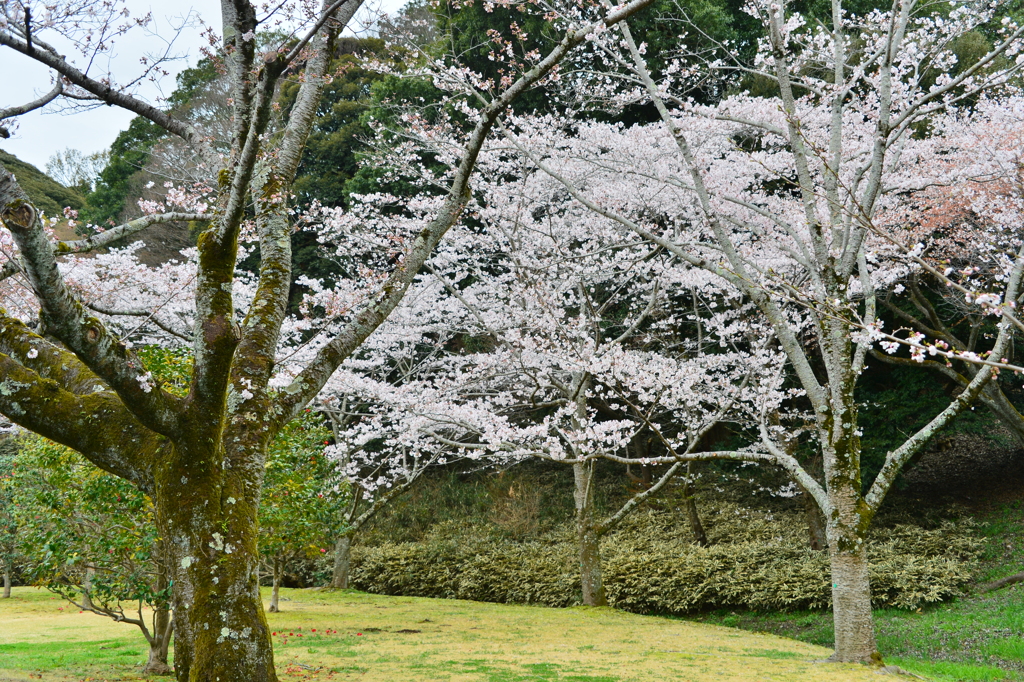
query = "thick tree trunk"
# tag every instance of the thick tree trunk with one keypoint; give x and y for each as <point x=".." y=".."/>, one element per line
<point x="588" y="536"/>
<point x="342" y="562"/>
<point x="207" y="517"/>
<point x="848" y="524"/>
<point x="275" y="593"/>
<point x="851" y="606"/>
<point x="7" y="581"/>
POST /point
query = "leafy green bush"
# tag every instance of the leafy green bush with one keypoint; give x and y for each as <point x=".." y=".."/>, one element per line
<point x="758" y="561"/>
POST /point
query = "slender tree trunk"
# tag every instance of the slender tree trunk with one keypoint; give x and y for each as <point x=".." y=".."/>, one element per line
<point x="590" y="568"/>
<point x="87" y="587"/>
<point x="160" y="640"/>
<point x="342" y="562"/>
<point x="275" y="593"/>
<point x="206" y="506"/>
<point x="588" y="536"/>
<point x="692" y="514"/>
<point x="995" y="400"/>
<point x="159" y="645"/>
<point x="7" y="581"/>
<point x="817" y="535"/>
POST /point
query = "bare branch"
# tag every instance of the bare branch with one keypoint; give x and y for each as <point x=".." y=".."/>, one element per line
<point x="107" y="93"/>
<point x="10" y="112"/>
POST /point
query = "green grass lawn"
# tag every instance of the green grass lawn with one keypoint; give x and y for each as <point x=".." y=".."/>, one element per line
<point x="351" y="635"/>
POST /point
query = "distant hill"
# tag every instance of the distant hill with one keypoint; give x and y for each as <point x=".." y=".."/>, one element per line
<point x="45" y="192"/>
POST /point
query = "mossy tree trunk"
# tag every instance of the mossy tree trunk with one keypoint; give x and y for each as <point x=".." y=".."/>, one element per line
<point x="208" y="521"/>
<point x="848" y="523"/>
<point x="847" y="510"/>
<point x="7" y="580"/>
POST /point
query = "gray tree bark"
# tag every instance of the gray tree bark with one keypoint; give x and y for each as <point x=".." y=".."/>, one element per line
<point x="275" y="593"/>
<point x="692" y="513"/>
<point x="851" y="603"/>
<point x="342" y="562"/>
<point x="588" y="536"/>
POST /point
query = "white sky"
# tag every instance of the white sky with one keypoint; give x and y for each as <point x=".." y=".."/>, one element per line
<point x="42" y="133"/>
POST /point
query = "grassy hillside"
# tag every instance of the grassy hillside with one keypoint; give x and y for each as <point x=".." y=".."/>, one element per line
<point x="46" y="193"/>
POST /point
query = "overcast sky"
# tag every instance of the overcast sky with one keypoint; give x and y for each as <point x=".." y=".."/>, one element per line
<point x="40" y="134"/>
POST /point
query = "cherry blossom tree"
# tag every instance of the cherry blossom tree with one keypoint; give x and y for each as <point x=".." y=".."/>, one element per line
<point x="577" y="348"/>
<point x="201" y="457"/>
<point x="797" y="201"/>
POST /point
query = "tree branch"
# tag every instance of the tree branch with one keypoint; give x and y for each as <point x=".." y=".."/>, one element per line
<point x="96" y="425"/>
<point x="108" y="94"/>
<point x="31" y="106"/>
<point x="102" y="239"/>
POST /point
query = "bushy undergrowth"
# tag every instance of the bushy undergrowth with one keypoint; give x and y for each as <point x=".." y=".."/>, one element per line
<point x="756" y="560"/>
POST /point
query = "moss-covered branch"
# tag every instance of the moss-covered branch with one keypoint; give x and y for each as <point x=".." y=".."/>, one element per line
<point x="66" y="318"/>
<point x="97" y="424"/>
<point x="254" y="358"/>
<point x="46" y="359"/>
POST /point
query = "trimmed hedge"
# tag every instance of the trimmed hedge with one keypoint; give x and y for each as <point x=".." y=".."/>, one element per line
<point x="758" y="561"/>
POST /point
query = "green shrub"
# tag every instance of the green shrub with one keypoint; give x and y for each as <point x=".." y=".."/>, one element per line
<point x="489" y="570"/>
<point x="758" y="561"/>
